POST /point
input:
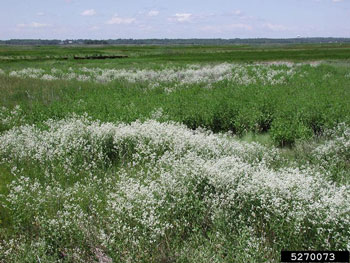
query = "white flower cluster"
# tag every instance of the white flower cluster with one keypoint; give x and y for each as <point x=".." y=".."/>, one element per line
<point x="243" y="74"/>
<point x="169" y="176"/>
<point x="14" y="57"/>
<point x="334" y="154"/>
<point x="9" y="118"/>
<point x="291" y="64"/>
<point x="27" y="72"/>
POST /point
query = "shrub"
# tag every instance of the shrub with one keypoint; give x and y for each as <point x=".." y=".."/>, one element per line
<point x="285" y="132"/>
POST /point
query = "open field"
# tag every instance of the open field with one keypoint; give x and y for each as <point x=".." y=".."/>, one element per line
<point x="173" y="154"/>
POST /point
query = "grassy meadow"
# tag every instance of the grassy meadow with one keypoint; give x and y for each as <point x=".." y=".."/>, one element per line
<point x="174" y="153"/>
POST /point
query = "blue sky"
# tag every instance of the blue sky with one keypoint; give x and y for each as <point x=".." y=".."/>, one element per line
<point x="104" y="19"/>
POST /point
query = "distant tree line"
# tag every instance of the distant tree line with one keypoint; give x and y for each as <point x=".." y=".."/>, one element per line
<point x="194" y="41"/>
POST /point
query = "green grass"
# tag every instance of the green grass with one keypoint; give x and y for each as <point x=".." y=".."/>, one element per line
<point x="185" y="54"/>
<point x="303" y="107"/>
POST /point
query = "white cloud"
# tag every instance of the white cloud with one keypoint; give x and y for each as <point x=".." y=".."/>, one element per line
<point x="121" y="20"/>
<point x="337" y="1"/>
<point x="240" y="26"/>
<point x="182" y="17"/>
<point x="89" y="12"/>
<point x="237" y="12"/>
<point x="153" y="13"/>
<point x="144" y="27"/>
<point x="40" y="14"/>
<point x="94" y="28"/>
<point x="33" y="25"/>
<point x="275" y="27"/>
<point x="227" y="28"/>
